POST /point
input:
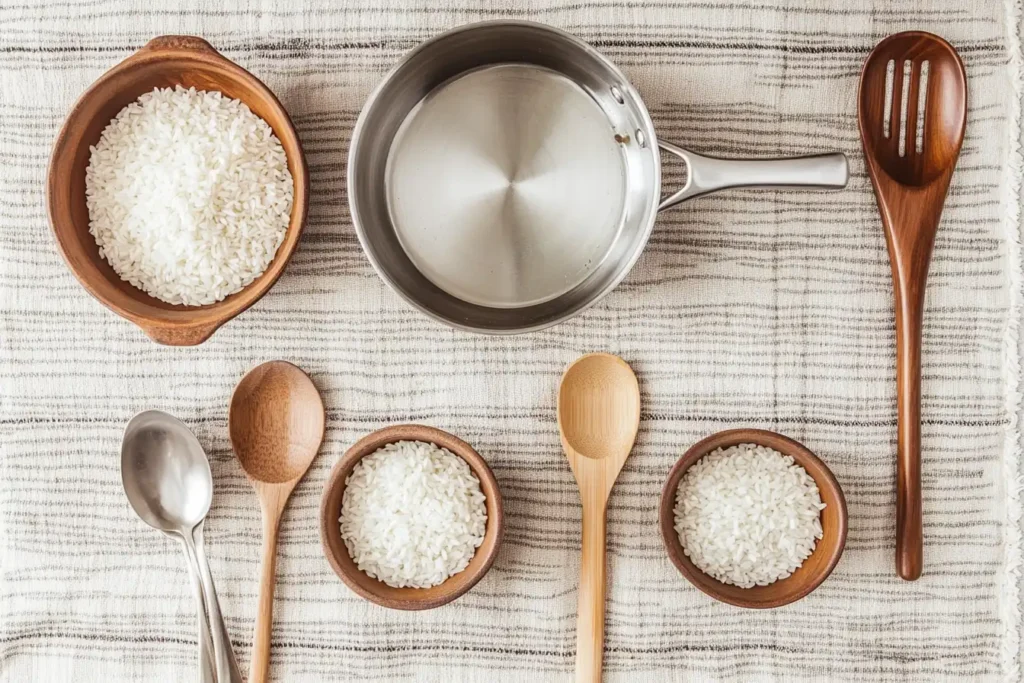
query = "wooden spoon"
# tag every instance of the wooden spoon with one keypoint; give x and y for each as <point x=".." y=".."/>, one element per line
<point x="911" y="143"/>
<point x="598" y="417"/>
<point x="276" y="423"/>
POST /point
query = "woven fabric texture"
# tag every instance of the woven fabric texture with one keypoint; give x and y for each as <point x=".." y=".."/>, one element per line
<point x="756" y="308"/>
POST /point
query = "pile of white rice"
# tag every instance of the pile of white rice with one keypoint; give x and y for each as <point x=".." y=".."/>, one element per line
<point x="748" y="515"/>
<point x="412" y="514"/>
<point x="189" y="195"/>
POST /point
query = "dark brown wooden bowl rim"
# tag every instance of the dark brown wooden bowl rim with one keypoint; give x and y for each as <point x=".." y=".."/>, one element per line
<point x="831" y="493"/>
<point x="410" y="598"/>
<point x="189" y="325"/>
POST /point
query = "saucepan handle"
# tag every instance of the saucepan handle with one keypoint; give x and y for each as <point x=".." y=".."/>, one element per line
<point x="708" y="174"/>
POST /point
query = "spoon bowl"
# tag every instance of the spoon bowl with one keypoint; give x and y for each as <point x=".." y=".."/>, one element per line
<point x="599" y="407"/>
<point x="276" y="422"/>
<point x="913" y="106"/>
<point x="165" y="473"/>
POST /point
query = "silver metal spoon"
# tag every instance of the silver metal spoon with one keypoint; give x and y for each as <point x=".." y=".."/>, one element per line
<point x="166" y="476"/>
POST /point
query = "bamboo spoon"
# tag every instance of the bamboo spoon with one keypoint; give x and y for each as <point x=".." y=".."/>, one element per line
<point x="598" y="418"/>
<point x="911" y="143"/>
<point x="276" y="423"/>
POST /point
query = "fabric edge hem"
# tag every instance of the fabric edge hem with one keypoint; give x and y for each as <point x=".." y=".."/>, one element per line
<point x="1010" y="602"/>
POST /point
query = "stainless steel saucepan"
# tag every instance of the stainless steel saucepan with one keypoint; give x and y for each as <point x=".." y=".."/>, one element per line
<point x="505" y="176"/>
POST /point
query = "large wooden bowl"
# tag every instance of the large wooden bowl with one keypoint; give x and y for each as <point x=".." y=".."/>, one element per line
<point x="378" y="591"/>
<point x="815" y="568"/>
<point x="164" y="62"/>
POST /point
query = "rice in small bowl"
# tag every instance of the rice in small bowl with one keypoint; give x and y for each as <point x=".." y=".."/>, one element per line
<point x="753" y="518"/>
<point x="411" y="517"/>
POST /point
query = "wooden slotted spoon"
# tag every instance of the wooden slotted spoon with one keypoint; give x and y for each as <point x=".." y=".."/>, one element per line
<point x="912" y="114"/>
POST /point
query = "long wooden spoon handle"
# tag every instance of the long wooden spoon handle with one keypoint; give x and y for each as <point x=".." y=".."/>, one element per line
<point x="909" y="317"/>
<point x="259" y="667"/>
<point x="590" y="618"/>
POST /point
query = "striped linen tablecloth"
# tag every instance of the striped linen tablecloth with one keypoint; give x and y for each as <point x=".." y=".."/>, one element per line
<point x="765" y="308"/>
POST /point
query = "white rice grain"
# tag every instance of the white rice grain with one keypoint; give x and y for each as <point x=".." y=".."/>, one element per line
<point x="748" y="515"/>
<point x="189" y="195"/>
<point x="412" y="515"/>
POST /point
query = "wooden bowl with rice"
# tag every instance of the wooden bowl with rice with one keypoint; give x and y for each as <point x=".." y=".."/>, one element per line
<point x="814" y="569"/>
<point x="374" y="590"/>
<point x="164" y="62"/>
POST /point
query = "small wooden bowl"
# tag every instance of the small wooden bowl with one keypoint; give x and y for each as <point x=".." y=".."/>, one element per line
<point x="378" y="591"/>
<point x="815" y="568"/>
<point x="163" y="62"/>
